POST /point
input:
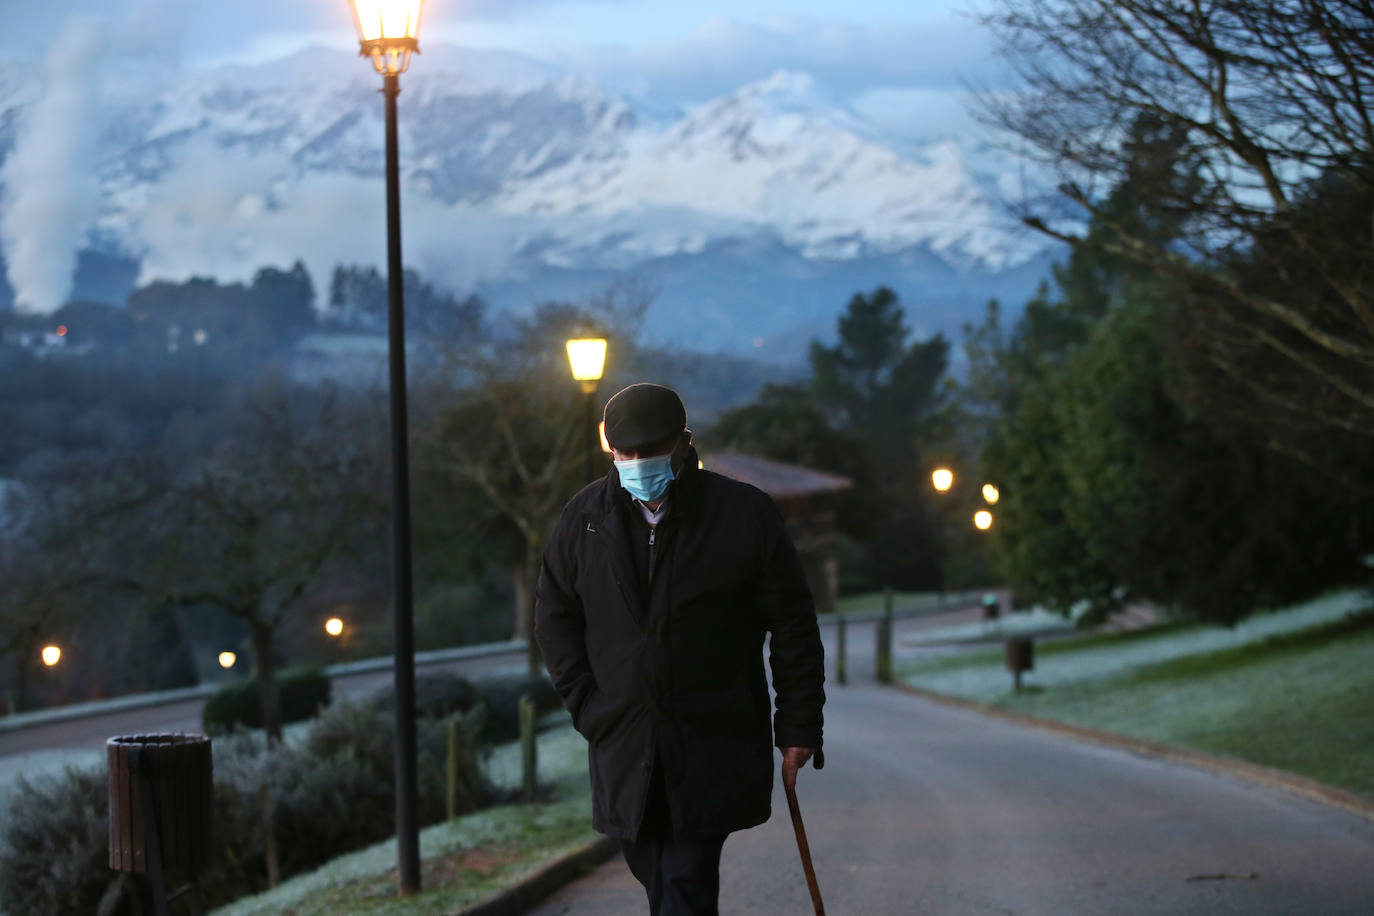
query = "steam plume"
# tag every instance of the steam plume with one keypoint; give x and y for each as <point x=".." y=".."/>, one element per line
<point x="51" y="193"/>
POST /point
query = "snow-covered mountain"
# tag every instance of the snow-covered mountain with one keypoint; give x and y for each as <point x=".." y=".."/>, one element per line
<point x="754" y="215"/>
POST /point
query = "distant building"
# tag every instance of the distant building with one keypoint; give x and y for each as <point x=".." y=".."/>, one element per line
<point x="44" y="343"/>
<point x="806" y="498"/>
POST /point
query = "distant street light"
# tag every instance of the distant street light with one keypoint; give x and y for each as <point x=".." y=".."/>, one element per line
<point x="333" y="626"/>
<point x="587" y="357"/>
<point x="51" y="655"/>
<point x="982" y="519"/>
<point x="388" y="33"/>
<point x="991" y="494"/>
<point x="942" y="479"/>
<point x="227" y="660"/>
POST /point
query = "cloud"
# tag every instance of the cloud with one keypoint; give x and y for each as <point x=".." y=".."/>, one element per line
<point x="226" y="214"/>
<point x="850" y="58"/>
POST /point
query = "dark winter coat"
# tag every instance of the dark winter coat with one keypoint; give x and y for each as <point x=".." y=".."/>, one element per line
<point x="673" y="665"/>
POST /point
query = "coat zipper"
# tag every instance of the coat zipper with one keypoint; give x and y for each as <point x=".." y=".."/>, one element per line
<point x="653" y="532"/>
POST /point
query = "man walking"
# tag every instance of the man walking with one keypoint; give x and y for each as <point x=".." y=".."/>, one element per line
<point x="657" y="589"/>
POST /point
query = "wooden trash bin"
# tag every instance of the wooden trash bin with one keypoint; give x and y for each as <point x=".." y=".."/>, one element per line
<point x="160" y="794"/>
<point x="1020" y="652"/>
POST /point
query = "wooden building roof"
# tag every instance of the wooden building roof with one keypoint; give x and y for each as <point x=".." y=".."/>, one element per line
<point x="777" y="479"/>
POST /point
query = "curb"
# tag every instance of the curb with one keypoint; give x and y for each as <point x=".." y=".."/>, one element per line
<point x="1302" y="786"/>
<point x="521" y="897"/>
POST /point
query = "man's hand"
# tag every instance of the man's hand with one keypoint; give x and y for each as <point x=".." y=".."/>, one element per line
<point x="793" y="759"/>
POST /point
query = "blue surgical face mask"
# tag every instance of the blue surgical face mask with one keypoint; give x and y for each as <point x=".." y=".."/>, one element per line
<point x="646" y="479"/>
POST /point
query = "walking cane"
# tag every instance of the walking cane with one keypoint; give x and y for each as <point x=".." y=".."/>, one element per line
<point x="802" y="846"/>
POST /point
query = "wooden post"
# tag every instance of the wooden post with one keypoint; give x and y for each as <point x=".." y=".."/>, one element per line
<point x="840" y="649"/>
<point x="528" y="749"/>
<point x="883" y="660"/>
<point x="267" y="807"/>
<point x="451" y="801"/>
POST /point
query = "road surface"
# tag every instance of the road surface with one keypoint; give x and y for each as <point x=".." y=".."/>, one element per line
<point x="923" y="808"/>
<point x="89" y="733"/>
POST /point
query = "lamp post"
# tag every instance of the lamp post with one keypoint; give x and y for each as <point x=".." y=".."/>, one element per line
<point x="587" y="357"/>
<point x="388" y="33"/>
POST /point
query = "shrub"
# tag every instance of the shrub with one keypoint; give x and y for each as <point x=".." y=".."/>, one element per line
<point x="501" y="695"/>
<point x="336" y="788"/>
<point x="54" y="846"/>
<point x="332" y="793"/>
<point x="300" y="691"/>
<point x="437" y="695"/>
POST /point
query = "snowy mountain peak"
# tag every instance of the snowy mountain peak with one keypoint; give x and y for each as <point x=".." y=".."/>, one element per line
<point x="513" y="166"/>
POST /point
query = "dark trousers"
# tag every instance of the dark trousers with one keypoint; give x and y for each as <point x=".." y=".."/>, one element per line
<point x="680" y="876"/>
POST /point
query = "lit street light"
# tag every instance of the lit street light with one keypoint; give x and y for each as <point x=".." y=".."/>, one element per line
<point x="333" y="626"/>
<point x="388" y="33"/>
<point x="587" y="357"/>
<point x="51" y="655"/>
<point x="942" y="479"/>
<point x="982" y="519"/>
<point x="991" y="494"/>
<point x="227" y="660"/>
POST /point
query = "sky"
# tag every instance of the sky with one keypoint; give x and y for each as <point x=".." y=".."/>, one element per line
<point x="883" y="55"/>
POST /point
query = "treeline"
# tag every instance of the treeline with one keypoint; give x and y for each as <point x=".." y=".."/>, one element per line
<point x="1186" y="415"/>
<point x="207" y="328"/>
<point x="155" y="513"/>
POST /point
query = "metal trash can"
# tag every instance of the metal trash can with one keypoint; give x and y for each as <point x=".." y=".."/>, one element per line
<point x="160" y="803"/>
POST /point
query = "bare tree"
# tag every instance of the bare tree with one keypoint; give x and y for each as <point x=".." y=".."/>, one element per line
<point x="1275" y="102"/>
<point x="512" y="426"/>
<point x="292" y="487"/>
<point x="61" y="535"/>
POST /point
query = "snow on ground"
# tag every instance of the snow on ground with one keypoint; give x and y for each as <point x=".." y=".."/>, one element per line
<point x="989" y="681"/>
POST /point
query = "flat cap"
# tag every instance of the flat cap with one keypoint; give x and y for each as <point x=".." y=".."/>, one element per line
<point x="643" y="414"/>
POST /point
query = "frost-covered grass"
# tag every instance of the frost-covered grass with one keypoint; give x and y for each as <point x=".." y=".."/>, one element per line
<point x="1027" y="623"/>
<point x="1290" y="689"/>
<point x="463" y="861"/>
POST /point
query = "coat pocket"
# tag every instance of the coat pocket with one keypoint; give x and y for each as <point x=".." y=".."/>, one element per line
<point x="597" y="716"/>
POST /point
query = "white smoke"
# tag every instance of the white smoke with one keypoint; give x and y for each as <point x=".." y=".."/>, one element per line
<point x="50" y="189"/>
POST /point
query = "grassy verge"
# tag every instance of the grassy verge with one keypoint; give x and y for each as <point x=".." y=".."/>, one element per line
<point x="1289" y="689"/>
<point x="463" y="861"/>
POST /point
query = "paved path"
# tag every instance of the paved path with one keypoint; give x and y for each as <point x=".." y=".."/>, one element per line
<point x="923" y="808"/>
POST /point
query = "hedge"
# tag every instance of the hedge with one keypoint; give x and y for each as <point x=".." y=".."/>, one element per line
<point x="302" y="692"/>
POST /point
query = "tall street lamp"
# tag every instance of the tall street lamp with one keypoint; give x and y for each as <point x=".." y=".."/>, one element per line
<point x="388" y="33"/>
<point x="587" y="357"/>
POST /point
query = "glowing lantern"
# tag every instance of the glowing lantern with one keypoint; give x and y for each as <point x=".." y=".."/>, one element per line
<point x="991" y="494"/>
<point x="587" y="357"/>
<point x="227" y="659"/>
<point x="388" y="32"/>
<point x="942" y="479"/>
<point x="982" y="519"/>
<point x="51" y="655"/>
<point x="333" y="626"/>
